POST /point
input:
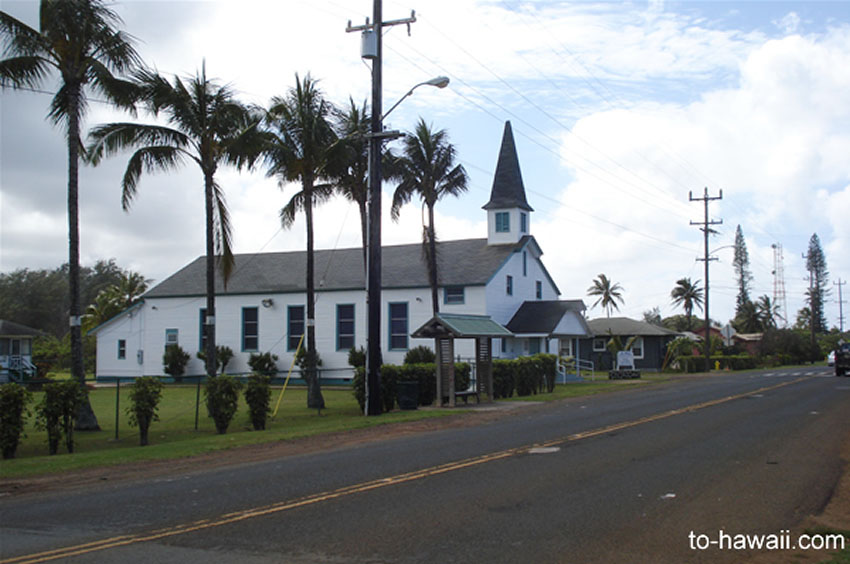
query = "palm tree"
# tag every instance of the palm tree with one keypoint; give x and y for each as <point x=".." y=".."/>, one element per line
<point x="207" y="125"/>
<point x="687" y="294"/>
<point x="427" y="168"/>
<point x="79" y="40"/>
<point x="767" y="312"/>
<point x="748" y="319"/>
<point x="608" y="293"/>
<point x="115" y="298"/>
<point x="354" y="126"/>
<point x="303" y="146"/>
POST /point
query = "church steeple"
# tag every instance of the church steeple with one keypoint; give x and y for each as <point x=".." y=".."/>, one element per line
<point x="508" y="210"/>
<point x="508" y="190"/>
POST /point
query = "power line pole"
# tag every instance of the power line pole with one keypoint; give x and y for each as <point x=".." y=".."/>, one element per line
<point x="840" y="283"/>
<point x="706" y="229"/>
<point x="372" y="48"/>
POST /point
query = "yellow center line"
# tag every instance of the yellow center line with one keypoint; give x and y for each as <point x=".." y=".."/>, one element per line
<point x="237" y="516"/>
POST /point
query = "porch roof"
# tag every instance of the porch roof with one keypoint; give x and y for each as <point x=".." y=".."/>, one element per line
<point x="460" y="326"/>
<point x="12" y="329"/>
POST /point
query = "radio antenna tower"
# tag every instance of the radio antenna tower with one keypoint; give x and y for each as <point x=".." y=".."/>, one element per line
<point x="779" y="284"/>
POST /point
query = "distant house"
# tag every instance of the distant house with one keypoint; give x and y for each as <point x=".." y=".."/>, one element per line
<point x="649" y="348"/>
<point x="16" y="351"/>
<point x="263" y="306"/>
<point x="538" y="325"/>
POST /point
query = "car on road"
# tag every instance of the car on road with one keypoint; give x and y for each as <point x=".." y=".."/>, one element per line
<point x="830" y="358"/>
<point x="842" y="359"/>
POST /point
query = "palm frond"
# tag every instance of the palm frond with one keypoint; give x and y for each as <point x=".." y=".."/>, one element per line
<point x="147" y="159"/>
<point x="23" y="72"/>
<point x="108" y="139"/>
<point x="223" y="234"/>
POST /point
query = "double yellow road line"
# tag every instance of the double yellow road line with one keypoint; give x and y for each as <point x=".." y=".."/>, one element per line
<point x="245" y="514"/>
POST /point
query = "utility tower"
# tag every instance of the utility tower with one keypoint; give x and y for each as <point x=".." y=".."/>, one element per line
<point x="840" y="283"/>
<point x="779" y="298"/>
<point x="706" y="229"/>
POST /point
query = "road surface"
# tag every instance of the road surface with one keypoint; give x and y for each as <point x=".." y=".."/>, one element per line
<point x="633" y="476"/>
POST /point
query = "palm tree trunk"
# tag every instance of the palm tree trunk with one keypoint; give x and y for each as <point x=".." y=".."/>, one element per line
<point x="314" y="390"/>
<point x="86" y="419"/>
<point x="432" y="259"/>
<point x="209" y="327"/>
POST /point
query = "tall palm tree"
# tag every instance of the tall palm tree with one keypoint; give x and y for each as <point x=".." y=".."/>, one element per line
<point x="207" y="125"/>
<point x="687" y="294"/>
<point x="302" y="147"/>
<point x="354" y="126"/>
<point x="749" y="319"/>
<point x="427" y="168"/>
<point x="607" y="293"/>
<point x="78" y="40"/>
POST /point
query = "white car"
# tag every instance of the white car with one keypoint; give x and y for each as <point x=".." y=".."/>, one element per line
<point x="830" y="358"/>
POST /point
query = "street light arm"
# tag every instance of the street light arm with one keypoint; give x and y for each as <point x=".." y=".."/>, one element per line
<point x="439" y="82"/>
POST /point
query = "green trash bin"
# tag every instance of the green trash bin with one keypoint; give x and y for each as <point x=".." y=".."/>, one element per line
<point x="407" y="394"/>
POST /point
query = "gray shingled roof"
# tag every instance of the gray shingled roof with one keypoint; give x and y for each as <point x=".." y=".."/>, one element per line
<point x="466" y="262"/>
<point x="625" y="326"/>
<point x="508" y="190"/>
<point x="12" y="329"/>
<point x="543" y="316"/>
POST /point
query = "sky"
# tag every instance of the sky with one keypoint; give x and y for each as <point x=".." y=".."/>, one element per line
<point x="621" y="111"/>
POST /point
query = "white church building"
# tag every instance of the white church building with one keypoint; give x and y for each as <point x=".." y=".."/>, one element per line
<point x="262" y="309"/>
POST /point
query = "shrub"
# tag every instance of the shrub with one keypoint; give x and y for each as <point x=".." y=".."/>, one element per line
<point x="504" y="379"/>
<point x="548" y="364"/>
<point x="527" y="376"/>
<point x="356" y="357"/>
<point x="420" y="355"/>
<point x="302" y="357"/>
<point x="13" y="413"/>
<point x="223" y="356"/>
<point x="174" y="361"/>
<point x="57" y="412"/>
<point x="258" y="396"/>
<point x="144" y="400"/>
<point x="263" y="363"/>
<point x="222" y="399"/>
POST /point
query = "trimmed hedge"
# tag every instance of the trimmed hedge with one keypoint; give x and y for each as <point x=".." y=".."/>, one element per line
<point x="424" y="373"/>
<point x="525" y="375"/>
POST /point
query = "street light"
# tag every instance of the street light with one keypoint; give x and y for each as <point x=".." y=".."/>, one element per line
<point x="373" y="256"/>
<point x="438" y="81"/>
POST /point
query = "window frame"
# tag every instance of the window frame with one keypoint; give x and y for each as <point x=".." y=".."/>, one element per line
<point x="523" y="222"/>
<point x="538" y="289"/>
<point x="456" y="300"/>
<point x="339" y="333"/>
<point x="289" y="324"/>
<point x="640" y="345"/>
<point x="256" y="326"/>
<point x="390" y="329"/>
<point x="122" y="349"/>
<point x="603" y="348"/>
<point x="503" y="222"/>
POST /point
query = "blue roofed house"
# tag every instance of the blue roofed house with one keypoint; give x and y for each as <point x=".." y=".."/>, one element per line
<point x="263" y="306"/>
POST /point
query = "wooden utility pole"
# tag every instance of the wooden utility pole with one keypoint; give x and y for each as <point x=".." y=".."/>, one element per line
<point x="373" y="49"/>
<point x="840" y="283"/>
<point x="706" y="229"/>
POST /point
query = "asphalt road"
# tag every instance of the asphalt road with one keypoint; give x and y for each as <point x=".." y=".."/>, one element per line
<point x="623" y="477"/>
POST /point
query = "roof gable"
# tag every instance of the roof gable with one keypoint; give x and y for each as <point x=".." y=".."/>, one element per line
<point x="460" y="326"/>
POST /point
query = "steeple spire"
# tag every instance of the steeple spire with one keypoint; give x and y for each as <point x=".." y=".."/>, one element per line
<point x="508" y="190"/>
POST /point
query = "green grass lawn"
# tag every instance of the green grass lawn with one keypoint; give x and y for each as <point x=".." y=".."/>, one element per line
<point x="174" y="435"/>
